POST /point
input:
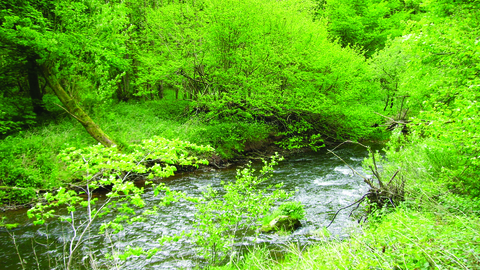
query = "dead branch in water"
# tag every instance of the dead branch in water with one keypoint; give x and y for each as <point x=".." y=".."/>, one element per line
<point x="379" y="195"/>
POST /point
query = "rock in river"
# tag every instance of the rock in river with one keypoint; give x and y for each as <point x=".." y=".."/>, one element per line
<point x="284" y="223"/>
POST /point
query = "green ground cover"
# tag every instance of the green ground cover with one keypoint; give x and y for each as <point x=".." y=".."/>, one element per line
<point x="237" y="78"/>
<point x="29" y="158"/>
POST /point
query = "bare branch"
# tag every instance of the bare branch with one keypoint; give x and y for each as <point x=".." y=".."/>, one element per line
<point x="358" y="201"/>
<point x="71" y="114"/>
<point x="393" y="120"/>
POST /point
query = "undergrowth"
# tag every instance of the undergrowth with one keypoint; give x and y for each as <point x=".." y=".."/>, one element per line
<point x="293" y="209"/>
<point x="436" y="227"/>
<point x="28" y="159"/>
<point x="405" y="239"/>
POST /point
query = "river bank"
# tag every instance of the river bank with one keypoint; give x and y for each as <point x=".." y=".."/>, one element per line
<point x="323" y="182"/>
<point x="215" y="162"/>
<point x="430" y="216"/>
<point x="30" y="165"/>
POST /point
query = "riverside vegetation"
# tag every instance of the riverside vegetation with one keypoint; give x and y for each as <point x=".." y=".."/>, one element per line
<point x="162" y="86"/>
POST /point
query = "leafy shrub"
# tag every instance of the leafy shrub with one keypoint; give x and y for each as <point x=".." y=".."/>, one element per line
<point x="99" y="166"/>
<point x="404" y="239"/>
<point x="154" y="157"/>
<point x="28" y="159"/>
<point x="230" y="138"/>
<point x="367" y="24"/>
<point x="221" y="216"/>
<point x="15" y="113"/>
<point x="51" y="103"/>
<point x="293" y="209"/>
<point x="17" y="195"/>
<point x="269" y="64"/>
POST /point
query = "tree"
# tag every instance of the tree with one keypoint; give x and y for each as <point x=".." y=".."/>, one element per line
<point x="367" y="23"/>
<point x="77" y="45"/>
<point x="272" y="63"/>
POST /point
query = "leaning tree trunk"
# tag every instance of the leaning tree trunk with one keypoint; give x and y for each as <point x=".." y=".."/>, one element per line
<point x="74" y="109"/>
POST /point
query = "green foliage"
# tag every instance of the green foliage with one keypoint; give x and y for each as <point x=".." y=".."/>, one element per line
<point x="406" y="239"/>
<point x="302" y="78"/>
<point x="292" y="209"/>
<point x="98" y="161"/>
<point x="244" y="74"/>
<point x="280" y="68"/>
<point x="432" y="73"/>
<point x="82" y="41"/>
<point x="16" y="112"/>
<point x="231" y="138"/>
<point x="297" y="136"/>
<point x="13" y="195"/>
<point x="6" y="225"/>
<point x="368" y="24"/>
<point x="107" y="167"/>
<point x="221" y="216"/>
<point x="29" y="159"/>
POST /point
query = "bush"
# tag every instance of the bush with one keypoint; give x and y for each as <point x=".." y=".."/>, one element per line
<point x="274" y="64"/>
<point x="229" y="138"/>
<point x="17" y="195"/>
<point x="367" y="24"/>
<point x="293" y="209"/>
<point x="221" y="215"/>
<point x="404" y="239"/>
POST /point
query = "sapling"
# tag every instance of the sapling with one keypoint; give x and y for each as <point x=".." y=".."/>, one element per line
<point x="222" y="216"/>
<point x="109" y="168"/>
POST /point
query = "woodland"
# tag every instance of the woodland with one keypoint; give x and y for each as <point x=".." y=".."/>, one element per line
<point x="95" y="93"/>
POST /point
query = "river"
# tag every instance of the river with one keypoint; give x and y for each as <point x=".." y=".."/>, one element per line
<point x="324" y="184"/>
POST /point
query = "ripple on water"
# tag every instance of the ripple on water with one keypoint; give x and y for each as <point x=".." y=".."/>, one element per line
<point x="345" y="170"/>
<point x="325" y="185"/>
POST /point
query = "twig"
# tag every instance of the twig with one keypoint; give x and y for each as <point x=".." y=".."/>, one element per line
<point x="356" y="207"/>
<point x="393" y="120"/>
<point x="12" y="235"/>
<point x="359" y="201"/>
<point x="375" y="173"/>
<point x="393" y="176"/>
<point x="376" y="169"/>
<point x="390" y="199"/>
<point x="35" y="253"/>
<point x="351" y="168"/>
<point x="381" y="192"/>
<point x="71" y="114"/>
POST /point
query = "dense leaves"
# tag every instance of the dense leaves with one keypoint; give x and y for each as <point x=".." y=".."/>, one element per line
<point x="238" y="74"/>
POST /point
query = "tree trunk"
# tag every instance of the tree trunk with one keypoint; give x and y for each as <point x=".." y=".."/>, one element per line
<point x="35" y="92"/>
<point x="74" y="109"/>
<point x="160" y="89"/>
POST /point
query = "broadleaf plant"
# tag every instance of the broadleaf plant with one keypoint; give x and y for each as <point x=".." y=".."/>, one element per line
<point x="99" y="166"/>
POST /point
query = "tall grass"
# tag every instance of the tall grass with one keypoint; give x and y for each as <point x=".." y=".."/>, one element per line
<point x="405" y="239"/>
<point x="437" y="227"/>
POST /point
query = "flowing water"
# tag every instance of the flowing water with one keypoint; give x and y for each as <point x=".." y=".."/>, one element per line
<point x="324" y="183"/>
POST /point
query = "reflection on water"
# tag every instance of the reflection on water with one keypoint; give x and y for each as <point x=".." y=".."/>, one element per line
<point x="323" y="183"/>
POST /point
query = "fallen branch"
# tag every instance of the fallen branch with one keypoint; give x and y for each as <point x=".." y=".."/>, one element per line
<point x="380" y="195"/>
<point x="359" y="201"/>
<point x="393" y="120"/>
<point x="78" y="119"/>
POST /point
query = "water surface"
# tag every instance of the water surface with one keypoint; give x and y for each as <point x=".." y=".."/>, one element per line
<point x="324" y="184"/>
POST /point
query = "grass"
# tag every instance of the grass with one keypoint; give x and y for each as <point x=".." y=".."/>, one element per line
<point x="405" y="239"/>
<point x="437" y="227"/>
<point x="28" y="159"/>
